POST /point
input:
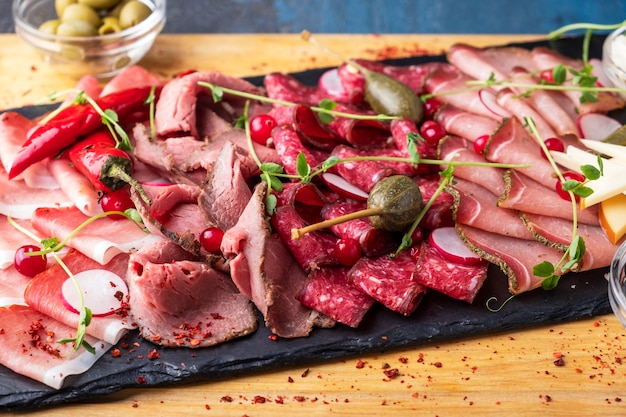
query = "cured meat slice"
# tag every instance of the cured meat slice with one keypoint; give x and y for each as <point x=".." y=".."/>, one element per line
<point x="478" y="207"/>
<point x="12" y="286"/>
<point x="450" y="86"/>
<point x="28" y="347"/>
<point x="546" y="58"/>
<point x="306" y="123"/>
<point x="133" y="76"/>
<point x="521" y="108"/>
<point x="454" y="148"/>
<point x="362" y="174"/>
<point x="465" y="124"/>
<point x="373" y="241"/>
<point x="288" y="146"/>
<point x="178" y="300"/>
<point x="265" y="272"/>
<point x="512" y="144"/>
<point x="389" y="280"/>
<point x="515" y="257"/>
<point x="43" y="293"/>
<point x="75" y="185"/>
<point x="528" y="196"/>
<point x="599" y="250"/>
<point x="363" y="134"/>
<point x="281" y="86"/>
<point x="101" y="240"/>
<point x="439" y="214"/>
<point x="458" y="281"/>
<point x="225" y="193"/>
<point x="12" y="240"/>
<point x="329" y="291"/>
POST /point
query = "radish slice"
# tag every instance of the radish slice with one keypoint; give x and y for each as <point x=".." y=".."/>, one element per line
<point x="596" y="126"/>
<point x="598" y="71"/>
<point x="330" y="82"/>
<point x="103" y="291"/>
<point x="488" y="98"/>
<point x="447" y="241"/>
<point x="343" y="187"/>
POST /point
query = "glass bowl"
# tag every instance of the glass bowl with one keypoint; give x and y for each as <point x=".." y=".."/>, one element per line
<point x="102" y="56"/>
<point x="614" y="57"/>
<point x="617" y="284"/>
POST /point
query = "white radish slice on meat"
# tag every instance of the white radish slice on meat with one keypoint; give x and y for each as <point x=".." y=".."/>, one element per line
<point x="104" y="292"/>
<point x="448" y="242"/>
<point x="596" y="126"/>
<point x="331" y="83"/>
<point x="488" y="98"/>
<point x="343" y="187"/>
<point x="598" y="71"/>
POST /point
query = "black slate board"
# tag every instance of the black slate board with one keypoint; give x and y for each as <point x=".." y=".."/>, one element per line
<point x="436" y="320"/>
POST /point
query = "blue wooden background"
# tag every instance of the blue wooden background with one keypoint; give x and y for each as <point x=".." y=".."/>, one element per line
<point x="377" y="16"/>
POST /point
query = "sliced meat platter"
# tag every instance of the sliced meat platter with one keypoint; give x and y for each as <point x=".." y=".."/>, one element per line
<point x="229" y="260"/>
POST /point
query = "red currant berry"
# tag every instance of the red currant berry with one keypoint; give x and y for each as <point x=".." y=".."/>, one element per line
<point x="547" y="76"/>
<point x="568" y="176"/>
<point x="432" y="132"/>
<point x="261" y="127"/>
<point x="211" y="239"/>
<point x="29" y="265"/>
<point x="118" y="200"/>
<point x="347" y="251"/>
<point x="480" y="143"/>
<point x="553" y="144"/>
<point x="431" y="106"/>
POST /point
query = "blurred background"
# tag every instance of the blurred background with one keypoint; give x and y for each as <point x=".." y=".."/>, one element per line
<point x="377" y="16"/>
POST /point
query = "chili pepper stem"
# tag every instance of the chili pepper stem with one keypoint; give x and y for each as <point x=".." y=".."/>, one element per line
<point x="298" y="233"/>
<point x="117" y="172"/>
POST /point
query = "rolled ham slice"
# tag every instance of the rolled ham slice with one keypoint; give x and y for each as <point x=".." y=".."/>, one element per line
<point x="75" y="185"/>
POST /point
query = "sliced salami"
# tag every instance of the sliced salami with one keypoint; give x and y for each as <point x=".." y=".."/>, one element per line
<point x="362" y="174"/>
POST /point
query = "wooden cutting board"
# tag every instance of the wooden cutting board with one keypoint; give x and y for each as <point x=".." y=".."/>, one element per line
<point x="507" y="374"/>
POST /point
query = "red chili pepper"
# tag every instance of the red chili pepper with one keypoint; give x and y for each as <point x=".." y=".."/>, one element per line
<point x="71" y="123"/>
<point x="96" y="157"/>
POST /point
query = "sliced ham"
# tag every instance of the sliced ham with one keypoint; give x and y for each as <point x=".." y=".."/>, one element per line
<point x="521" y="107"/>
<point x="101" y="240"/>
<point x="12" y="239"/>
<point x="515" y="257"/>
<point x="12" y="286"/>
<point x="75" y="185"/>
<point x="28" y="347"/>
<point x="43" y="294"/>
<point x="180" y="301"/>
<point x="465" y="124"/>
<point x="133" y="76"/>
<point x="89" y="85"/>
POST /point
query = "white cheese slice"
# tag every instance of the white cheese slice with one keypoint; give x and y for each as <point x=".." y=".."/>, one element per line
<point x="608" y="149"/>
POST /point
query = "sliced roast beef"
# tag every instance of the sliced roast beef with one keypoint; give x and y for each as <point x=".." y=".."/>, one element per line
<point x="178" y="300"/>
<point x="265" y="272"/>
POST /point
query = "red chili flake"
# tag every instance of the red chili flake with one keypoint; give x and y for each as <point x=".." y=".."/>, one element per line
<point x="290" y="379"/>
<point x="279" y="400"/>
<point x="116" y="353"/>
<point x="272" y="337"/>
<point x="153" y="354"/>
<point x="2" y="331"/>
<point x="226" y="399"/>
<point x="438" y="364"/>
<point x="207" y="406"/>
<point x="420" y="358"/>
<point x="618" y="400"/>
<point x="258" y="399"/>
<point x="217" y="316"/>
<point x="299" y="398"/>
<point x="386" y="365"/>
<point x="547" y="398"/>
<point x="305" y="373"/>
<point x="391" y="373"/>
<point x="360" y="364"/>
<point x="141" y="379"/>
<point x="135" y="404"/>
<point x="559" y="362"/>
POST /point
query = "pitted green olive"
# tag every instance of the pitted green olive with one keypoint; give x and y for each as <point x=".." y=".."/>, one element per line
<point x="99" y="4"/>
<point x="132" y="13"/>
<point x="76" y="28"/>
<point x="115" y="12"/>
<point x="50" y="26"/>
<point x="82" y="13"/>
<point x="61" y="5"/>
<point x="109" y="25"/>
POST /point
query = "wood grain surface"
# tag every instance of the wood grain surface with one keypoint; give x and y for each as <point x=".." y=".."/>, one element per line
<point x="509" y="373"/>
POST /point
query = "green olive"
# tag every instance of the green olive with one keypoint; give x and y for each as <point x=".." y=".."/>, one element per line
<point x="76" y="28"/>
<point x="61" y="5"/>
<point x="132" y="13"/>
<point x="50" y="26"/>
<point x="115" y="12"/>
<point x="400" y="201"/>
<point x="99" y="4"/>
<point x="109" y="25"/>
<point x="83" y="13"/>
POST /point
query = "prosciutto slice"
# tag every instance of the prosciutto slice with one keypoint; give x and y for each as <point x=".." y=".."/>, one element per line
<point x="521" y="108"/>
<point x="12" y="286"/>
<point x="515" y="257"/>
<point x="43" y="294"/>
<point x="28" y="347"/>
<point x="465" y="124"/>
<point x="12" y="240"/>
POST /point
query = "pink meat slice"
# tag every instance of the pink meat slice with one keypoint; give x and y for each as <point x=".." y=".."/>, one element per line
<point x="89" y="85"/>
<point x="521" y="107"/>
<point x="515" y="257"/>
<point x="75" y="185"/>
<point x="101" y="240"/>
<point x="179" y="301"/>
<point x="12" y="239"/>
<point x="465" y="124"/>
<point x="528" y="196"/>
<point x="546" y="58"/>
<point x="43" y="294"/>
<point x="390" y="281"/>
<point x="134" y="76"/>
<point x="12" y="286"/>
<point x="28" y="347"/>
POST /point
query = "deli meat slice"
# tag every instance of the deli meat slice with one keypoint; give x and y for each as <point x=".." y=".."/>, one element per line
<point x="178" y="300"/>
<point x="265" y="272"/>
<point x="390" y="281"/>
<point x="134" y="76"/>
<point x="515" y="257"/>
<point x="12" y="286"/>
<point x="101" y="240"/>
<point x="521" y="107"/>
<point x="44" y="294"/>
<point x="458" y="281"/>
<point x="12" y="239"/>
<point x="27" y="346"/>
<point x="465" y="124"/>
<point x="75" y="185"/>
